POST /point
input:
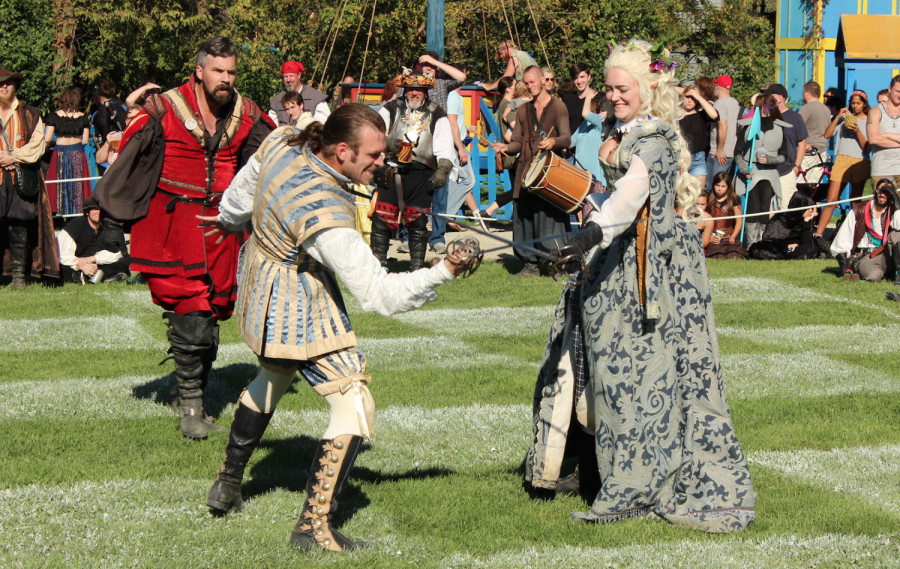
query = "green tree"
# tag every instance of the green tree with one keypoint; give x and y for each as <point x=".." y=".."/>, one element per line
<point x="27" y="48"/>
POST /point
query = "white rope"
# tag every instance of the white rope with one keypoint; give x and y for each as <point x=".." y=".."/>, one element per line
<point x="785" y="210"/>
<point x="473" y="218"/>
<point x="71" y="180"/>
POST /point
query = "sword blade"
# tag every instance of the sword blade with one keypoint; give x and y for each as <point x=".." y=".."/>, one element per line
<point x="542" y="254"/>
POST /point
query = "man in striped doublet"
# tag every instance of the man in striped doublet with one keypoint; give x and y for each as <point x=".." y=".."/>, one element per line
<point x="290" y="309"/>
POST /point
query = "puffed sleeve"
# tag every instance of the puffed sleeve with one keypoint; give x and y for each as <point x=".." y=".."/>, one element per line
<point x="125" y="190"/>
<point x="344" y="252"/>
<point x="617" y="212"/>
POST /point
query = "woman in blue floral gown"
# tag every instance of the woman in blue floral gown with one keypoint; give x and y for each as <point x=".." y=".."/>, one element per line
<point x="633" y="356"/>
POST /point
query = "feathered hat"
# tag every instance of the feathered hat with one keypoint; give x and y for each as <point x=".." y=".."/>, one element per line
<point x="415" y="79"/>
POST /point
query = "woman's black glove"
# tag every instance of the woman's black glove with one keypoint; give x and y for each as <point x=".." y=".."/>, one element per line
<point x="570" y="258"/>
<point x="393" y="146"/>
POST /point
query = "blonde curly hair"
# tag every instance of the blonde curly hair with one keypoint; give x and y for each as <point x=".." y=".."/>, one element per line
<point x="662" y="102"/>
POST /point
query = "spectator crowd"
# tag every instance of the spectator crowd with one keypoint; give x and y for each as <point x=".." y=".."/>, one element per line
<point x="757" y="158"/>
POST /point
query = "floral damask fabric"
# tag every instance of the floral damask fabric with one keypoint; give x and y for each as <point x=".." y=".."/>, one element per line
<point x="665" y="442"/>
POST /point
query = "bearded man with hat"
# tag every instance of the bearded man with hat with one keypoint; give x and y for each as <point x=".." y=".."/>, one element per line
<point x="25" y="215"/>
<point x="313" y="101"/>
<point x="420" y="153"/>
<point x="176" y="158"/>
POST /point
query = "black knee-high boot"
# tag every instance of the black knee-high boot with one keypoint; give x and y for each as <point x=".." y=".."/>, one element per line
<point x="418" y="242"/>
<point x="328" y="474"/>
<point x="209" y="358"/>
<point x="191" y="339"/>
<point x="18" y="255"/>
<point x="381" y="239"/>
<point x="247" y="430"/>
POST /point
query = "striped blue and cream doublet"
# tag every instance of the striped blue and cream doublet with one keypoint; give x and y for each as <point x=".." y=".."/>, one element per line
<point x="289" y="306"/>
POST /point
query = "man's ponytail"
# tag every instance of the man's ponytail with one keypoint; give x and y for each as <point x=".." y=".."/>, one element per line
<point x="343" y="125"/>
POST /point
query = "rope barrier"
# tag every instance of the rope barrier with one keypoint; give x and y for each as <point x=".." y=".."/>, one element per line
<point x="473" y="218"/>
<point x="72" y="180"/>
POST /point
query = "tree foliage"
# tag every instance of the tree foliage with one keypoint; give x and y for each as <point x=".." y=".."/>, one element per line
<point x="134" y="41"/>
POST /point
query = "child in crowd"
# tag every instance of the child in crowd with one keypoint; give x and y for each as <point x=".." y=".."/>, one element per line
<point x="722" y="237"/>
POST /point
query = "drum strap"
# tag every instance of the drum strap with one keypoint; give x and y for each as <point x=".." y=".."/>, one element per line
<point x="401" y="203"/>
<point x="643" y="237"/>
<point x="534" y="117"/>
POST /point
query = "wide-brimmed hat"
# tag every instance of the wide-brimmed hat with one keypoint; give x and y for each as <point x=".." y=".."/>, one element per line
<point x="414" y="80"/>
<point x="6" y="75"/>
<point x="89" y="204"/>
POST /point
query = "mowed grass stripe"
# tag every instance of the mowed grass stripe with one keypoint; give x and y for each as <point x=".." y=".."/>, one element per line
<point x="135" y="522"/>
<point x="784" y="551"/>
<point x="105" y="332"/>
<point x="747" y="376"/>
<point x="801" y="374"/>
<point x="869" y="473"/>
<point x="757" y="289"/>
<point x="859" y="339"/>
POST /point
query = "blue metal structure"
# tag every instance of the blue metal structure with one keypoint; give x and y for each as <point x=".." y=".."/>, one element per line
<point x="862" y="63"/>
<point x="486" y="172"/>
<point x="434" y="27"/>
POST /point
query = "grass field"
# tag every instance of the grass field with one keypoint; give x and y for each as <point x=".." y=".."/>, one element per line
<point x="95" y="473"/>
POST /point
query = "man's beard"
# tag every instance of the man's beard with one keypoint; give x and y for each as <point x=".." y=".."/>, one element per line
<point x="6" y="100"/>
<point x="290" y="88"/>
<point x="218" y="96"/>
<point x="414" y="106"/>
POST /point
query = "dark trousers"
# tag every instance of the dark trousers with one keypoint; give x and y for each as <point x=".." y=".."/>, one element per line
<point x="534" y="218"/>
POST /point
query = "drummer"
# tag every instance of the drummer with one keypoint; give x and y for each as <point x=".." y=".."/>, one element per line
<point x="542" y="125"/>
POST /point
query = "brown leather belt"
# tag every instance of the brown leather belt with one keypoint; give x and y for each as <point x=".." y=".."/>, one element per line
<point x="209" y="201"/>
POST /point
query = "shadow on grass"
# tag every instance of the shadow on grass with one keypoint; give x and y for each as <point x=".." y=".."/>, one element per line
<point x="287" y="463"/>
<point x="225" y="386"/>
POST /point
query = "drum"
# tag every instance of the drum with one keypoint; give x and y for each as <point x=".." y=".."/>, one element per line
<point x="558" y="182"/>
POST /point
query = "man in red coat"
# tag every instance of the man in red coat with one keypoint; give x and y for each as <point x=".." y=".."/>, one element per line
<point x="176" y="159"/>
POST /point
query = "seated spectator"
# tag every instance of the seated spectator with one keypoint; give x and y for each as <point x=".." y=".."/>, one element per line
<point x="701" y="209"/>
<point x="866" y="244"/>
<point x="788" y="234"/>
<point x="82" y="258"/>
<point x="722" y="238"/>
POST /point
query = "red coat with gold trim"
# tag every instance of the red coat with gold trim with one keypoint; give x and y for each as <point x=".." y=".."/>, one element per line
<point x="169" y="171"/>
